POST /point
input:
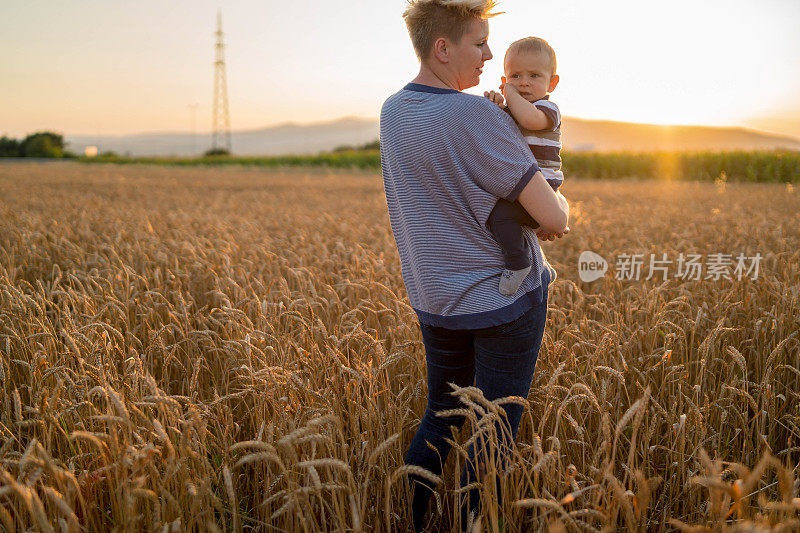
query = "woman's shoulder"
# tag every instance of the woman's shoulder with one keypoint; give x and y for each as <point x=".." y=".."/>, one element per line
<point x="457" y="109"/>
<point x="480" y="103"/>
<point x="485" y="114"/>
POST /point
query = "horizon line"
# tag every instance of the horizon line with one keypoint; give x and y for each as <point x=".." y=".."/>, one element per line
<point x="375" y="118"/>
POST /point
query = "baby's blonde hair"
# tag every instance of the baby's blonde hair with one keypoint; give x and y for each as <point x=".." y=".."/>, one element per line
<point x="427" y="20"/>
<point x="533" y="45"/>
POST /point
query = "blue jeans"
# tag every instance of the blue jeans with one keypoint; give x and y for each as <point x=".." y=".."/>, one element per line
<point x="500" y="361"/>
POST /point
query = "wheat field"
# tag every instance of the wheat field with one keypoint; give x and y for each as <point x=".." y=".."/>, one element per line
<point x="232" y="349"/>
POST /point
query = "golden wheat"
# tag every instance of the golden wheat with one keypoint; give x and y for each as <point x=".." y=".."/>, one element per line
<point x="233" y="349"/>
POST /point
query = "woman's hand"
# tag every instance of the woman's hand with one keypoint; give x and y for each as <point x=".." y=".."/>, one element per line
<point x="495" y="97"/>
<point x="546" y="236"/>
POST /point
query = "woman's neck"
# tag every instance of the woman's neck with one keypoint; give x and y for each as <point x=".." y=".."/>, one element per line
<point x="428" y="76"/>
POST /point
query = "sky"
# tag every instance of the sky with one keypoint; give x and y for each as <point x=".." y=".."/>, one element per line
<point x="112" y="67"/>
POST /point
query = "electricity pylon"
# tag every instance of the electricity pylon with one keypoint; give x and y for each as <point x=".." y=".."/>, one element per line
<point x="221" y="136"/>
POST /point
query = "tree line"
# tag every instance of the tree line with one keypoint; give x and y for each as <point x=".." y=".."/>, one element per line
<point x="39" y="144"/>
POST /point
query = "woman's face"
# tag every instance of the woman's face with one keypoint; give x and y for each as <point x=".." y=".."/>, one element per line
<point x="467" y="57"/>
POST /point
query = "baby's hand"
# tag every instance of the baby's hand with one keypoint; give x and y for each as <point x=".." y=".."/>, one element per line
<point x="505" y="88"/>
<point x="495" y="97"/>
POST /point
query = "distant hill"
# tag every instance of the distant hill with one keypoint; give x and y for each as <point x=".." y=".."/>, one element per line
<point x="607" y="136"/>
<point x="578" y="134"/>
<point x="276" y="140"/>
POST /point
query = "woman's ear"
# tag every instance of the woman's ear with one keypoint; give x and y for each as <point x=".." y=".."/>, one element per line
<point x="440" y="51"/>
<point x="553" y="82"/>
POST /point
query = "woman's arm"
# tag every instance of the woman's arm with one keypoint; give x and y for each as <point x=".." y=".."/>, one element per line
<point x="549" y="208"/>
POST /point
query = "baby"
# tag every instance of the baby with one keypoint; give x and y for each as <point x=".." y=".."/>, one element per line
<point x="530" y="74"/>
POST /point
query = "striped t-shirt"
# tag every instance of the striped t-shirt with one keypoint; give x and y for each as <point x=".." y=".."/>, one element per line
<point x="546" y="144"/>
<point x="446" y="157"/>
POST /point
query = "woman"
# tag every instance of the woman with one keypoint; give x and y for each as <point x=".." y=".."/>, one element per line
<point x="446" y="158"/>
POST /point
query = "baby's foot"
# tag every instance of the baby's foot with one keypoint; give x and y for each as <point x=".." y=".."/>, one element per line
<point x="511" y="280"/>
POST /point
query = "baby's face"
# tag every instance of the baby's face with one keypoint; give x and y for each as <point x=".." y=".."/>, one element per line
<point x="530" y="73"/>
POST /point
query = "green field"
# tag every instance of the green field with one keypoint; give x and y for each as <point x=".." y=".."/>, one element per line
<point x="764" y="167"/>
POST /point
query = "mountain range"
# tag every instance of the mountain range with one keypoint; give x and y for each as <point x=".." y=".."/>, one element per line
<point x="577" y="135"/>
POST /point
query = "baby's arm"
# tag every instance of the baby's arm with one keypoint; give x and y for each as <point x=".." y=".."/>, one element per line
<point x="527" y="115"/>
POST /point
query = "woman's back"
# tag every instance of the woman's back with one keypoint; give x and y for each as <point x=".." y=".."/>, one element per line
<point x="446" y="157"/>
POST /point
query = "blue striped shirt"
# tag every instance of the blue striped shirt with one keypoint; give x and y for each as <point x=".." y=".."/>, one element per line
<point x="446" y="157"/>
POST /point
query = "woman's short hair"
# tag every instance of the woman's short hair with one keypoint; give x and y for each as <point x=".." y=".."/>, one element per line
<point x="427" y="20"/>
